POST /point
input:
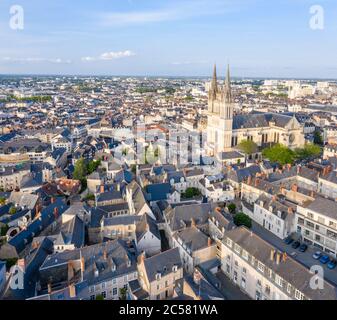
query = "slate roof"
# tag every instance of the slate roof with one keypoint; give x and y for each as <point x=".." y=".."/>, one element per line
<point x="146" y="223"/>
<point x="47" y="217"/>
<point x="290" y="270"/>
<point x="192" y="238"/>
<point x="158" y="191"/>
<point x="162" y="263"/>
<point x="181" y="216"/>
<point x="72" y="232"/>
<point x="56" y="265"/>
<point x="324" y="206"/>
<point x="260" y="120"/>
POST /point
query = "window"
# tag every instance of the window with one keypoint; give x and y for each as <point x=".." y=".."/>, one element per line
<point x="244" y="270"/>
<point x="245" y="254"/>
<point x="235" y="278"/>
<point x="229" y="242"/>
<point x="279" y="281"/>
<point x="310" y="215"/>
<point x="104" y="294"/>
<point x="260" y="266"/>
<point x="298" y="295"/>
<point x="92" y="297"/>
<point x="237" y="248"/>
<point x="243" y="283"/>
<point x="114" y="291"/>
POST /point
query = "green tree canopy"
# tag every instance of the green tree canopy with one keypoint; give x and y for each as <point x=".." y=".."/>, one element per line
<point x="318" y="138"/>
<point x="12" y="210"/>
<point x="93" y="165"/>
<point x="80" y="170"/>
<point x="279" y="153"/>
<point x="2" y="201"/>
<point x="242" y="219"/>
<point x="308" y="151"/>
<point x="191" y="192"/>
<point x="231" y="208"/>
<point x="247" y="146"/>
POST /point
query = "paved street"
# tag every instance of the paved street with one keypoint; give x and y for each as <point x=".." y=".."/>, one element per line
<point x="229" y="289"/>
<point x="304" y="258"/>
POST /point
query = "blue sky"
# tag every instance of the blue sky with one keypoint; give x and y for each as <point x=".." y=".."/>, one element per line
<point x="267" y="38"/>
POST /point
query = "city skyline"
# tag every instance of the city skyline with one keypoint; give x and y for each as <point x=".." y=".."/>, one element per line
<point x="170" y="38"/>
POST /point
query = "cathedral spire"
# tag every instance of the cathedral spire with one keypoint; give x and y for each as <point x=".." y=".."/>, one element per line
<point x="214" y="84"/>
<point x="227" y="87"/>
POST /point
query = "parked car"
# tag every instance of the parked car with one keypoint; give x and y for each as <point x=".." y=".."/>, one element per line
<point x="303" y="247"/>
<point x="317" y="255"/>
<point x="296" y="244"/>
<point x="332" y="264"/>
<point x="324" y="259"/>
<point x="288" y="240"/>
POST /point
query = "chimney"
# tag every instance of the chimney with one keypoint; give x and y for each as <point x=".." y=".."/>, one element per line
<point x="70" y="270"/>
<point x="56" y="212"/>
<point x="82" y="264"/>
<point x="72" y="291"/>
<point x="52" y="200"/>
<point x="249" y="180"/>
<point x="278" y="257"/>
<point x="299" y="170"/>
<point x="102" y="188"/>
<point x="312" y="194"/>
<point x="209" y="242"/>
<point x="105" y="255"/>
<point x="290" y="210"/>
<point x="284" y="257"/>
<point x="257" y="181"/>
<point x="49" y="288"/>
<point x="272" y="254"/>
<point x="141" y="258"/>
<point x="193" y="224"/>
<point x="294" y="187"/>
<point x="118" y="187"/>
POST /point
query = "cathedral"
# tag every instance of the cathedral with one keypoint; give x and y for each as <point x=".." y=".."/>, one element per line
<point x="225" y="130"/>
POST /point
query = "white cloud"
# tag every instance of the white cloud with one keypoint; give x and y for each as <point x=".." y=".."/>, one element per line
<point x="179" y="10"/>
<point x="35" y="60"/>
<point x="112" y="55"/>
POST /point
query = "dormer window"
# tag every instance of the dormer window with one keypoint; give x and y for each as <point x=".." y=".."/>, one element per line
<point x="175" y="269"/>
<point x="158" y="276"/>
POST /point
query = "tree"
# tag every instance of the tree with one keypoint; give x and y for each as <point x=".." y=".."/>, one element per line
<point x="242" y="219"/>
<point x="231" y="208"/>
<point x="92" y="166"/>
<point x="122" y="293"/>
<point x="2" y="201"/>
<point x="279" y="153"/>
<point x="190" y="193"/>
<point x="12" y="210"/>
<point x="134" y="169"/>
<point x="99" y="297"/>
<point x="3" y="230"/>
<point x="80" y="173"/>
<point x="80" y="170"/>
<point x="247" y="146"/>
<point x="308" y="151"/>
<point x="318" y="138"/>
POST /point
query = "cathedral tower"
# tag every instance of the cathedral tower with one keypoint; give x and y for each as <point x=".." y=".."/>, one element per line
<point x="220" y="115"/>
